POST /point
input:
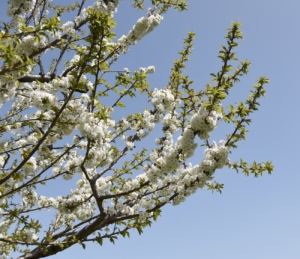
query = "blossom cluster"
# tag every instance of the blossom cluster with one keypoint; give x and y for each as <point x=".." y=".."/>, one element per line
<point x="143" y="27"/>
<point x="189" y="179"/>
<point x="30" y="44"/>
<point x="19" y="8"/>
<point x="110" y="8"/>
<point x="74" y="206"/>
<point x="148" y="70"/>
<point x="166" y="167"/>
<point x="205" y="121"/>
<point x="182" y="182"/>
<point x="163" y="100"/>
<point x="43" y="100"/>
<point x="215" y="157"/>
<point x="9" y="84"/>
<point x="68" y="28"/>
<point x="98" y="130"/>
<point x="8" y="88"/>
<point x="171" y="122"/>
<point x="143" y="127"/>
<point x="170" y="160"/>
<point x="98" y="5"/>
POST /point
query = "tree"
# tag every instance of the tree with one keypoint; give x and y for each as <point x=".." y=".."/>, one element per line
<point x="55" y="126"/>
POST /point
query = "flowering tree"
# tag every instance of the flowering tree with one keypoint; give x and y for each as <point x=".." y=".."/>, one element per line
<point x="55" y="127"/>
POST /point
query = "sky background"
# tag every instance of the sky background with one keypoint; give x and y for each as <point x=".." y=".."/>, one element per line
<point x="253" y="217"/>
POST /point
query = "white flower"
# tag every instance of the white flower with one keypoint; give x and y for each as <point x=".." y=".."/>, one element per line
<point x="29" y="44"/>
<point x="31" y="163"/>
<point x="130" y="144"/>
<point x="150" y="70"/>
<point x="43" y="100"/>
<point x="140" y="133"/>
<point x="1" y="161"/>
<point x="68" y="28"/>
<point x="143" y="70"/>
<point x="142" y="27"/>
<point x="30" y="236"/>
<point x="85" y="98"/>
<point x="163" y="100"/>
<point x="124" y="121"/>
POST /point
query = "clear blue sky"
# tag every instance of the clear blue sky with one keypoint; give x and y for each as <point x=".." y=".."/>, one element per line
<point x="253" y="217"/>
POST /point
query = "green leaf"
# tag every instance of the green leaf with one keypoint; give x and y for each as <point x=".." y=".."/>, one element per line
<point x="120" y="104"/>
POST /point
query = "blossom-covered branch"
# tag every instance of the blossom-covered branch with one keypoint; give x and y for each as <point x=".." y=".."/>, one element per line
<point x="63" y="124"/>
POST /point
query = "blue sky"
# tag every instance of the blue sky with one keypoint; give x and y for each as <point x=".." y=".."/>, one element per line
<point x="253" y="217"/>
